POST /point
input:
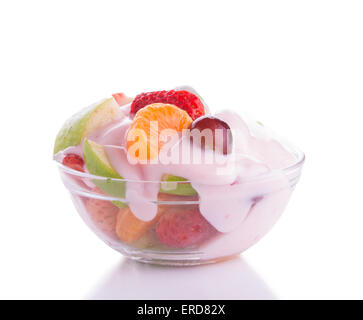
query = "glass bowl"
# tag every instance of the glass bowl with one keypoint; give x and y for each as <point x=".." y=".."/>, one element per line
<point x="261" y="198"/>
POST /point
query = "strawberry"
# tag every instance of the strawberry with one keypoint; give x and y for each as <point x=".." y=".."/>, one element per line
<point x="183" y="227"/>
<point x="73" y="161"/>
<point x="182" y="99"/>
<point x="103" y="213"/>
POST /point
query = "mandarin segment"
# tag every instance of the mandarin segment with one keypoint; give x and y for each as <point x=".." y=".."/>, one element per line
<point x="143" y="135"/>
<point x="129" y="228"/>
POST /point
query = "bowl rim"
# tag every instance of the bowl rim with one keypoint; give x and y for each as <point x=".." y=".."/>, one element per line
<point x="299" y="155"/>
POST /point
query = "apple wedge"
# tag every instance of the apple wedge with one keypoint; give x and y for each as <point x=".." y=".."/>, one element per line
<point x="85" y="122"/>
<point x="175" y="185"/>
<point x="98" y="164"/>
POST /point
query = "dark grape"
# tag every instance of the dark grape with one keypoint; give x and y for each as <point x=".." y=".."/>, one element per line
<point x="214" y="123"/>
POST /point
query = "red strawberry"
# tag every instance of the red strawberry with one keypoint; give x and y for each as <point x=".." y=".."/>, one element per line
<point x="74" y="162"/>
<point x="103" y="213"/>
<point x="185" y="100"/>
<point x="183" y="227"/>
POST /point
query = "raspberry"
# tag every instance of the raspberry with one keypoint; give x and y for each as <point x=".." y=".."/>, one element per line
<point x="183" y="227"/>
<point x="103" y="213"/>
<point x="185" y="100"/>
<point x="74" y="162"/>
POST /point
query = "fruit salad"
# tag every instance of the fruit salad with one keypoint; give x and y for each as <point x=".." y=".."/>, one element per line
<point x="160" y="178"/>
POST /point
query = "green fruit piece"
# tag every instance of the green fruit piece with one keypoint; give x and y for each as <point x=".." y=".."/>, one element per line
<point x="98" y="164"/>
<point x="85" y="122"/>
<point x="173" y="185"/>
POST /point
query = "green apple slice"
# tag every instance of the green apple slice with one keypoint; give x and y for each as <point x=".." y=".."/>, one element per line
<point x="98" y="164"/>
<point x="85" y="122"/>
<point x="171" y="184"/>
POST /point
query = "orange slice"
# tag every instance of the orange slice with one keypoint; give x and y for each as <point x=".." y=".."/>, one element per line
<point x="143" y="136"/>
<point x="129" y="228"/>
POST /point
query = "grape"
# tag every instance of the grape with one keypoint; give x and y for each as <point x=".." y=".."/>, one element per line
<point x="221" y="141"/>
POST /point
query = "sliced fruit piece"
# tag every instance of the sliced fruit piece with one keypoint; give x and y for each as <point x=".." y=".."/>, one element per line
<point x="183" y="99"/>
<point x="85" y="122"/>
<point x="192" y="90"/>
<point x="98" y="164"/>
<point x="149" y="239"/>
<point x="103" y="214"/>
<point x="221" y="142"/>
<point x="129" y="228"/>
<point x="73" y="161"/>
<point x="122" y="99"/>
<point x="163" y="197"/>
<point x="183" y="226"/>
<point x="174" y="185"/>
<point x="142" y="139"/>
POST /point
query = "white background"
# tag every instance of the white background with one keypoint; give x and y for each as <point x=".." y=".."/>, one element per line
<point x="295" y="65"/>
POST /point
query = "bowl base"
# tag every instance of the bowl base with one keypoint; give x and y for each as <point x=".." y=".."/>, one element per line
<point x="181" y="259"/>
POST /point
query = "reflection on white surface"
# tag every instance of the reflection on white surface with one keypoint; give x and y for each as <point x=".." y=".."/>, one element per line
<point x="233" y="279"/>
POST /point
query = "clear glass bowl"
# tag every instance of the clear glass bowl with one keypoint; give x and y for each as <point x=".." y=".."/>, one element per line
<point x="104" y="215"/>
